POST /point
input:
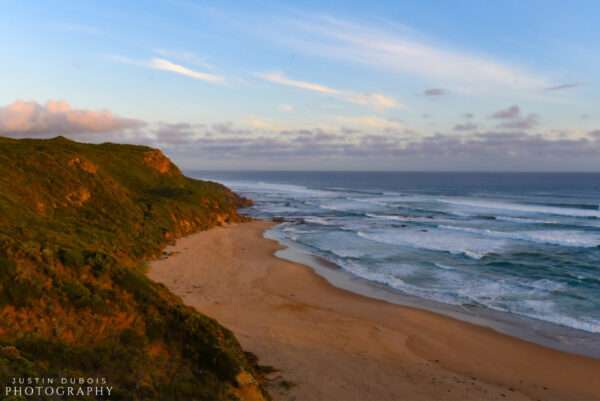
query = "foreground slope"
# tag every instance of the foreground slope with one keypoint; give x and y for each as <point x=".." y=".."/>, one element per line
<point x="77" y="222"/>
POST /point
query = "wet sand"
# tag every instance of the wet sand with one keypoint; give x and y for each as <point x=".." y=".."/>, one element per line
<point x="332" y="345"/>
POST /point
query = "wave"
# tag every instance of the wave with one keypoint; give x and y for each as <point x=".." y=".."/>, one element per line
<point x="553" y="237"/>
<point x="401" y="218"/>
<point x="436" y="240"/>
<point x="546" y="310"/>
<point x="455" y="288"/>
<point x="431" y="246"/>
<point x="318" y="220"/>
<point x="354" y="191"/>
<point x="275" y="188"/>
<point x="523" y="208"/>
<point x="349" y="205"/>
<point x="388" y="200"/>
<point x="587" y="206"/>
<point x="526" y="220"/>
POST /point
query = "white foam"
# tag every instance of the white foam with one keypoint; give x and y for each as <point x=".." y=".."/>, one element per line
<point x="519" y="207"/>
<point x="394" y="199"/>
<point x="547" y="310"/>
<point x="437" y="240"/>
<point x="554" y="237"/>
<point x="405" y="218"/>
<point x="344" y="205"/>
<point x="444" y="267"/>
<point x="282" y="189"/>
<point x="318" y="220"/>
<point x="566" y="238"/>
<point x="526" y="220"/>
<point x="391" y="278"/>
<point x="375" y="249"/>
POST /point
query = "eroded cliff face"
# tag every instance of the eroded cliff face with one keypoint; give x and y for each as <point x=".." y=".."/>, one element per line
<point x="155" y="159"/>
<point x="77" y="222"/>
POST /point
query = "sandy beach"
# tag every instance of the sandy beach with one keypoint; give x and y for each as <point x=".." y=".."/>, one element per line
<point x="332" y="345"/>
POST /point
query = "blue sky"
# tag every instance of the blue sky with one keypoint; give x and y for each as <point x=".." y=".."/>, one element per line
<point x="378" y="85"/>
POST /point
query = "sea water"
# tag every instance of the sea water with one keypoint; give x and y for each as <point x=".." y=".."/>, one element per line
<point x="520" y="244"/>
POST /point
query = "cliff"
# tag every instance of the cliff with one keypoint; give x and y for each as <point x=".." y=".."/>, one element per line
<point x="77" y="222"/>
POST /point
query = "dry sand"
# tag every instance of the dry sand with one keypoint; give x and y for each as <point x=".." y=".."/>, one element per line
<point x="333" y="345"/>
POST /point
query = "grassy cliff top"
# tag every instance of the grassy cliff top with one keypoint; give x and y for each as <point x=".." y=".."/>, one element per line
<point x="77" y="222"/>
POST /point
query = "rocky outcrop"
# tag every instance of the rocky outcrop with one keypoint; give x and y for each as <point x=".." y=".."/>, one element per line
<point x="78" y="197"/>
<point x="156" y="160"/>
<point x="83" y="165"/>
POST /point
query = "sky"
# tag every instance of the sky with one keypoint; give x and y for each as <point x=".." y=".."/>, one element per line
<point x="311" y="85"/>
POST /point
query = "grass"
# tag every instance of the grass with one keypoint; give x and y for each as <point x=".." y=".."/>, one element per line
<point x="77" y="223"/>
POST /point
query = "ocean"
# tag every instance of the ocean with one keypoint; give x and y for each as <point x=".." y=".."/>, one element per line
<point x="521" y="247"/>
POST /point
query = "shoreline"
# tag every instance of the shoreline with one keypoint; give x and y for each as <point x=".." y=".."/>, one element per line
<point x="332" y="344"/>
<point x="547" y="334"/>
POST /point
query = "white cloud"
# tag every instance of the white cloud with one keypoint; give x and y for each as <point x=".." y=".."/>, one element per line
<point x="377" y="101"/>
<point x="169" y="66"/>
<point x="57" y="117"/>
<point x="287" y="108"/>
<point x="399" y="52"/>
<point x="279" y="78"/>
<point x="184" y="56"/>
<point x="166" y="65"/>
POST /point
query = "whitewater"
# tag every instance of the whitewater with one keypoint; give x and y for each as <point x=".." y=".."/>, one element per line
<point x="525" y="245"/>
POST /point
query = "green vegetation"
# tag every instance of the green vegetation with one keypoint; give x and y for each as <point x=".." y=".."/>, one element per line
<point x="77" y="222"/>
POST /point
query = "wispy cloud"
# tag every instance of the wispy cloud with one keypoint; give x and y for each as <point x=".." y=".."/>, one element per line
<point x="166" y="65"/>
<point x="184" y="56"/>
<point x="375" y="100"/>
<point x="400" y="52"/>
<point x="563" y="86"/>
<point x="163" y="64"/>
<point x="279" y="78"/>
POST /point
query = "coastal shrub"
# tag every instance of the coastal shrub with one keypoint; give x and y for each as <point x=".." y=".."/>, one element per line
<point x="71" y="257"/>
<point x="14" y="289"/>
<point x="36" y="347"/>
<point x="102" y="242"/>
<point x="77" y="294"/>
<point x="8" y="269"/>
<point x="114" y="356"/>
<point x="21" y="293"/>
<point x="136" y="284"/>
<point x="131" y="338"/>
<point x="156" y="328"/>
<point x="171" y="192"/>
<point x="98" y="261"/>
<point x="205" y="343"/>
